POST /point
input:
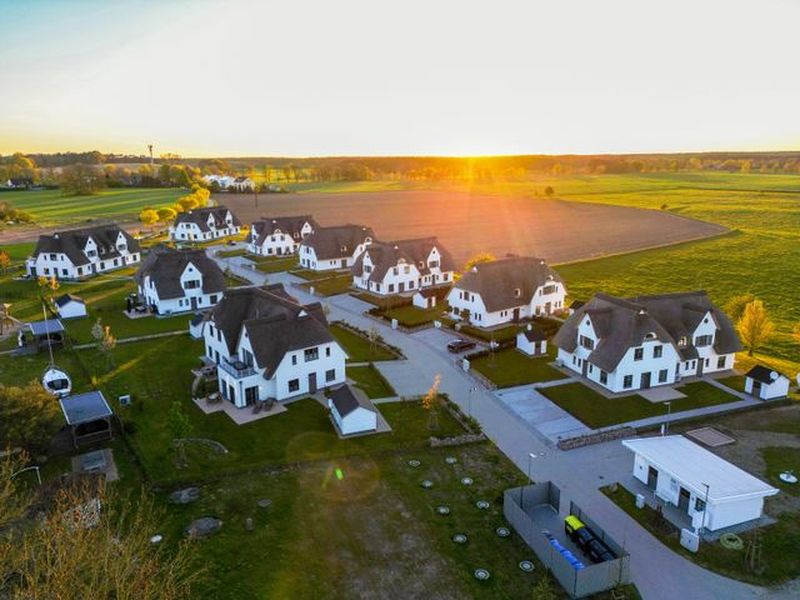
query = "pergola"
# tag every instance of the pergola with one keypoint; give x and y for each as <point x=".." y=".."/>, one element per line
<point x="41" y="331"/>
<point x="88" y="416"/>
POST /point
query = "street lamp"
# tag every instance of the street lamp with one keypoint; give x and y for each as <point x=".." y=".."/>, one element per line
<point x="531" y="456"/>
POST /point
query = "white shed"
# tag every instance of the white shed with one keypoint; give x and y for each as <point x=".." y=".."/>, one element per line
<point x="196" y="326"/>
<point x="532" y="341"/>
<point x="70" y="307"/>
<point x="765" y="383"/>
<point x="687" y="475"/>
<point x="352" y="411"/>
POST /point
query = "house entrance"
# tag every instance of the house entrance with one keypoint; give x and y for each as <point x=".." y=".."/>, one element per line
<point x="683" y="500"/>
<point x="312" y="383"/>
<point x="645" y="381"/>
<point x="652" y="478"/>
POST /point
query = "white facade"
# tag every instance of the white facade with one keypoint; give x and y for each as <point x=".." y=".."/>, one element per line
<point x="188" y="231"/>
<point x="60" y="266"/>
<point x="714" y="493"/>
<point x="424" y="301"/>
<point x="223" y="181"/>
<point x="193" y="298"/>
<point x="546" y="300"/>
<point x="71" y="309"/>
<point x="404" y="276"/>
<point x="777" y="388"/>
<point x="300" y="372"/>
<point x="360" y="420"/>
<point x="243" y="184"/>
<point x="531" y="347"/>
<point x="309" y="260"/>
<point x="277" y="243"/>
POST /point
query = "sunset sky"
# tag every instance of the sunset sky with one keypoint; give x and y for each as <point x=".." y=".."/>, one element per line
<point x="371" y="77"/>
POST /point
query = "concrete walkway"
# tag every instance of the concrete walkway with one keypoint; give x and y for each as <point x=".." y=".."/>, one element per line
<point x="658" y="572"/>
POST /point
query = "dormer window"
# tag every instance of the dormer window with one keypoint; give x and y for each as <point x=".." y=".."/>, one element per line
<point x="517" y="292"/>
<point x="682" y="341"/>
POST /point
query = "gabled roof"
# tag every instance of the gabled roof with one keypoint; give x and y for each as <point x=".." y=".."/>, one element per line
<point x="624" y="323"/>
<point x="165" y="266"/>
<point x="508" y="282"/>
<point x="45" y="327"/>
<point x="72" y="242"/>
<point x="85" y="408"/>
<point x="346" y="400"/>
<point x="695" y="467"/>
<point x="65" y="299"/>
<point x="199" y="216"/>
<point x="534" y="334"/>
<point x="275" y="323"/>
<point x="385" y="255"/>
<point x="337" y="242"/>
<point x="764" y="374"/>
<point x="289" y="225"/>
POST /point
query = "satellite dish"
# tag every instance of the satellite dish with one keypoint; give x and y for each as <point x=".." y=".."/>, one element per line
<point x="56" y="381"/>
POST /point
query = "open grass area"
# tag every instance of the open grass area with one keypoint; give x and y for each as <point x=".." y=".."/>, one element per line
<point x="778" y="541"/>
<point x="231" y="253"/>
<point x="331" y="286"/>
<point x="50" y="207"/>
<point x="275" y="265"/>
<point x="499" y="334"/>
<point x="370" y="380"/>
<point x="310" y="275"/>
<point x="779" y="459"/>
<point x="596" y="411"/>
<point x="358" y="347"/>
<point x="511" y="367"/>
<point x="17" y="252"/>
<point x="735" y="382"/>
<point x="412" y="316"/>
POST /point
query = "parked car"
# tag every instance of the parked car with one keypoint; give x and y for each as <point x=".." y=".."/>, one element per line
<point x="460" y="345"/>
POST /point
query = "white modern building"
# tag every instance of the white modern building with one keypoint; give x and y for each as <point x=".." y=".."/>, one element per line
<point x="69" y="306"/>
<point x="352" y="412"/>
<point x="532" y="341"/>
<point x="175" y="281"/>
<point x="203" y="224"/>
<point x="243" y="184"/>
<point x="267" y="346"/>
<point x="403" y="266"/>
<point x="714" y="493"/>
<point x="506" y="291"/>
<point x="80" y="253"/>
<point x="765" y="383"/>
<point x="330" y="248"/>
<point x="638" y="343"/>
<point x="222" y="181"/>
<point x="279" y="236"/>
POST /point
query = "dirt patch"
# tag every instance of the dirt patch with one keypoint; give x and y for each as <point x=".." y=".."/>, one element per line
<point x="468" y="224"/>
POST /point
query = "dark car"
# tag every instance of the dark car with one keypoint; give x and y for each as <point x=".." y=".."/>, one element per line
<point x="459" y="345"/>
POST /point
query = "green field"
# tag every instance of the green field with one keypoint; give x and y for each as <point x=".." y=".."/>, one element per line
<point x="510" y="367"/>
<point x="50" y="207"/>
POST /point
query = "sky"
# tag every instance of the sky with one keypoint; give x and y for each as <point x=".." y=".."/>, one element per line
<point x="373" y="77"/>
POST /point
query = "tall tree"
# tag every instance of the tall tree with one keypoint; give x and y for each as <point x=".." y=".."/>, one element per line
<point x="29" y="417"/>
<point x="755" y="327"/>
<point x="81" y="180"/>
<point x="734" y="307"/>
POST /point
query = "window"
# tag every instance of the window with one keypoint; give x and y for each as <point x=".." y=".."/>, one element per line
<point x="549" y="289"/>
<point x="294" y="359"/>
<point x="603" y="377"/>
<point x="662" y="375"/>
<point x="328" y="352"/>
<point x="53" y="257"/>
<point x="699" y="504"/>
<point x="192" y="284"/>
<point x="213" y="299"/>
<point x="587" y="342"/>
<point x="294" y="385"/>
<point x="310" y="354"/>
<point x="638" y="354"/>
<point x="591" y="368"/>
<point x="330" y="375"/>
<point x="627" y="382"/>
<point x="658" y="351"/>
<point x="721" y="362"/>
<point x="394" y="271"/>
<point x="703" y="340"/>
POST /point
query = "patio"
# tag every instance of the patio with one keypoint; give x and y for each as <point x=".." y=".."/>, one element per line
<point x="240" y="416"/>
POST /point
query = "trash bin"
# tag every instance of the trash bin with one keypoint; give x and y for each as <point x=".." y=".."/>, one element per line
<point x="639" y="501"/>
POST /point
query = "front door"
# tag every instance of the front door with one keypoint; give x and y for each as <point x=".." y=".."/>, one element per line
<point x="401" y="287"/>
<point x="645" y="381"/>
<point x="652" y="478"/>
<point x="757" y="389"/>
<point x="516" y="315"/>
<point x="548" y="307"/>
<point x="344" y="263"/>
<point x="251" y="395"/>
<point x="699" y="367"/>
<point x="683" y="500"/>
<point x="194" y="302"/>
<point x="312" y="383"/>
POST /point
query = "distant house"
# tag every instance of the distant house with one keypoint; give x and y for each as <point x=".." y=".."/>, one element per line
<point x="221" y="181"/>
<point x="507" y="290"/>
<point x="80" y="253"/>
<point x="402" y="266"/>
<point x="352" y="412"/>
<point x="70" y="307"/>
<point x="174" y="281"/>
<point x="278" y="236"/>
<point x="243" y="184"/>
<point x="202" y="224"/>
<point x="762" y="382"/>
<point x="637" y="343"/>
<point x="19" y="183"/>
<point x="714" y="493"/>
<point x="532" y="341"/>
<point x="331" y="248"/>
<point x="267" y="346"/>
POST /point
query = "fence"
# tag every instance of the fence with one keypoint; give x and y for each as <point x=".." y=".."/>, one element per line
<point x="518" y="506"/>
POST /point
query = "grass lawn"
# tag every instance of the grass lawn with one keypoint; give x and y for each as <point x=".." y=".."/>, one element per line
<point x="358" y="347"/>
<point x="50" y="207"/>
<point x="18" y="252"/>
<point x="310" y="275"/>
<point x="411" y="316"/>
<point x="595" y="410"/>
<point x="778" y="544"/>
<point x="735" y="382"/>
<point x="332" y="286"/>
<point x="779" y="459"/>
<point x="371" y="381"/>
<point x="511" y="367"/>
<point x="500" y="334"/>
<point x="275" y="265"/>
<point x="231" y="253"/>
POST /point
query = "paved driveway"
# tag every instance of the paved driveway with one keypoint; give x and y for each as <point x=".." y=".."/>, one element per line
<point x="553" y="422"/>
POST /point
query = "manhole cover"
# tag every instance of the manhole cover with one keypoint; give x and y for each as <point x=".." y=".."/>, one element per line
<point x="526" y="565"/>
<point x="460" y="538"/>
<point x="482" y="504"/>
<point x="264" y="503"/>
<point x="466" y="480"/>
<point x="451" y="460"/>
<point x="503" y="531"/>
<point x="481" y="574"/>
<point x="414" y="463"/>
<point x="427" y="484"/>
<point x="443" y="510"/>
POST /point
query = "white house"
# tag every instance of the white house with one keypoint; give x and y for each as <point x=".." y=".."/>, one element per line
<point x="714" y="493"/>
<point x="532" y="341"/>
<point x="202" y="224"/>
<point x="222" y="181"/>
<point x="352" y="412"/>
<point x="267" y="346"/>
<point x="243" y="184"/>
<point x="507" y="290"/>
<point x="402" y="266"/>
<point x="638" y="343"/>
<point x="175" y="281"/>
<point x="70" y="307"/>
<point x="80" y="253"/>
<point x="337" y="247"/>
<point x="278" y="236"/>
<point x="765" y="383"/>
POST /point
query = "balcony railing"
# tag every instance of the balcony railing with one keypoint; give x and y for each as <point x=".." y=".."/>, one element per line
<point x="237" y="368"/>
